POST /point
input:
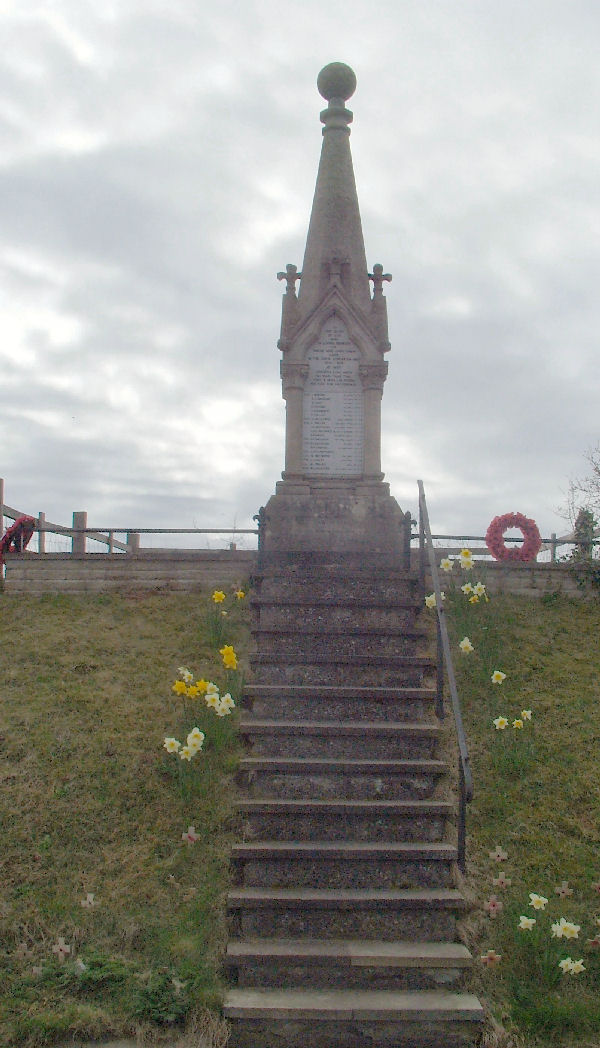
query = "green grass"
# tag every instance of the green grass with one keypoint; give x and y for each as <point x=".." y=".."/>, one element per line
<point x="536" y="795"/>
<point x="91" y="802"/>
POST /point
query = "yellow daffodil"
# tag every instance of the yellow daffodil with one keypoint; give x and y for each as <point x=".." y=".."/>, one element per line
<point x="537" y="901"/>
<point x="171" y="745"/>
<point x="193" y="691"/>
<point x="500" y="723"/>
<point x="474" y="599"/>
<point x="218" y="596"/>
<point x="526" y="923"/>
<point x="517" y="723"/>
<point x="525" y="715"/>
<point x="239" y="594"/>
<point x="202" y="686"/>
<point x="229" y="657"/>
<point x="465" y="646"/>
<point x="446" y="564"/>
<point x="498" y="676"/>
<point x="180" y="687"/>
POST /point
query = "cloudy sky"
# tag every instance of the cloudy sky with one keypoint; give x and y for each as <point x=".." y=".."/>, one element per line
<point x="158" y="160"/>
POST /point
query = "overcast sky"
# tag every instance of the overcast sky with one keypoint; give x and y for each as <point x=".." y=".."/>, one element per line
<point x="158" y="161"/>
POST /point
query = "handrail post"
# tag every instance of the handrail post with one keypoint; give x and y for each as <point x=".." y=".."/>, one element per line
<point x="133" y="541"/>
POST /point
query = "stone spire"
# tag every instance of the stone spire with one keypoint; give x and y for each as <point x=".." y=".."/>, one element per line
<point x="335" y="250"/>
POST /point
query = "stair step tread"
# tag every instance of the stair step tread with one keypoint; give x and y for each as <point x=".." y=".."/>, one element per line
<point x="250" y="724"/>
<point x="375" y="661"/>
<point x="348" y="898"/>
<point x="341" y="765"/>
<point x="356" y="952"/>
<point x="402" y="603"/>
<point x="336" y="691"/>
<point x="351" y="1004"/>
<point x="342" y="849"/>
<point x="306" y="631"/>
<point x="344" y="807"/>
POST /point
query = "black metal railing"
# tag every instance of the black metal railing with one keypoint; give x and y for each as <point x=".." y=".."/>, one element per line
<point x="427" y="552"/>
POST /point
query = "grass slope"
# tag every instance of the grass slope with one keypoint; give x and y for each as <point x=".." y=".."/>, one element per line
<point x="92" y="803"/>
<point x="537" y="796"/>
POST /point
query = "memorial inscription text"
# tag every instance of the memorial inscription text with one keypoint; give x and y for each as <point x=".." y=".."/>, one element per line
<point x="332" y="418"/>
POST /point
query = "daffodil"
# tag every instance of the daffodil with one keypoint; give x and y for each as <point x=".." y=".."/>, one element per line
<point x="537" y="901"/>
<point x="465" y="646"/>
<point x="577" y="967"/>
<point x="185" y="674"/>
<point x="500" y="723"/>
<point x="239" y="594"/>
<point x="446" y="564"/>
<point x="210" y="688"/>
<point x="498" y="676"/>
<point x="195" y="739"/>
<point x="526" y="923"/>
<point x="467" y="588"/>
<point x="474" y="599"/>
<point x="212" y="700"/>
<point x="202" y="686"/>
<point x="430" y="600"/>
<point x="479" y="589"/>
<point x="193" y="691"/>
<point x="517" y="723"/>
<point x="227" y="704"/>
<point x="171" y="745"/>
<point x="218" y="596"/>
<point x="466" y="559"/>
<point x="180" y="687"/>
<point x="525" y="715"/>
<point x="565" y="965"/>
<point x="186" y="753"/>
<point x="564" y="929"/>
<point x="229" y="657"/>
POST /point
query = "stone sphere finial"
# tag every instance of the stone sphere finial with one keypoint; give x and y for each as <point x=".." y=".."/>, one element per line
<point x="336" y="80"/>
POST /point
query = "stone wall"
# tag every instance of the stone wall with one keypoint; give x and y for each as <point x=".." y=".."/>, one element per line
<point x="169" y="570"/>
<point x="193" y="569"/>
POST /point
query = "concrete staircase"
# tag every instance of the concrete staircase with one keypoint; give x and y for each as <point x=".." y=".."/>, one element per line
<point x="343" y="915"/>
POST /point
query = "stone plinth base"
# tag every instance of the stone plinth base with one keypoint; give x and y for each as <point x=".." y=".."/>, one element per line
<point x="338" y="517"/>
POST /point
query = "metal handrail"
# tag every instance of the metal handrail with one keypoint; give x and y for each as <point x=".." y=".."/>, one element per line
<point x="465" y="777"/>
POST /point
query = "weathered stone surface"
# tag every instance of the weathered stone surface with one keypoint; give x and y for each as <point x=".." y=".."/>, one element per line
<point x="352" y="820"/>
<point x="360" y="779"/>
<point x="381" y="739"/>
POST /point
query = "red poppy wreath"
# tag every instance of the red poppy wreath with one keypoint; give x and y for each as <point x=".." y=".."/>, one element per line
<point x="494" y="537"/>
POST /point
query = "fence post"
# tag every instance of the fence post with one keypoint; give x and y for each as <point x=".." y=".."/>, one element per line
<point x="553" y="547"/>
<point x="133" y="541"/>
<point x="79" y="522"/>
<point x="1" y="506"/>
<point x="41" y="533"/>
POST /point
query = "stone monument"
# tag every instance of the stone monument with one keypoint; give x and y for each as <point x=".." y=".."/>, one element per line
<point x="333" y="338"/>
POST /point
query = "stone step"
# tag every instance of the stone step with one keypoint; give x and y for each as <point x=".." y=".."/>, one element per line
<point x="310" y="614"/>
<point x="272" y="1018"/>
<point x="374" y="739"/>
<point x="338" y="703"/>
<point x="361" y="671"/>
<point x="346" y="964"/>
<point x="369" y="820"/>
<point x="424" y="914"/>
<point x="335" y="642"/>
<point x="327" y="778"/>
<point x="334" y="588"/>
<point x="343" y="864"/>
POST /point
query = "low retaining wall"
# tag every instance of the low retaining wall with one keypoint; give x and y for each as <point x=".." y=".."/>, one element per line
<point x="170" y="570"/>
<point x="33" y="574"/>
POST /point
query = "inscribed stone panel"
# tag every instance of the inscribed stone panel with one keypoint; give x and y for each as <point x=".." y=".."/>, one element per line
<point x="332" y="417"/>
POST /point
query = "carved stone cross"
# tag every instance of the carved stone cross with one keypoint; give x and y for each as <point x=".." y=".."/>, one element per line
<point x="291" y="275"/>
<point x="378" y="276"/>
